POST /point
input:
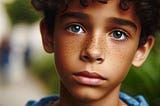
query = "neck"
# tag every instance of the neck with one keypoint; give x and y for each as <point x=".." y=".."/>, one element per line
<point x="110" y="99"/>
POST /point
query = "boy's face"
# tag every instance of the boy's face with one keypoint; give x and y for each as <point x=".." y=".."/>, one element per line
<point x="94" y="47"/>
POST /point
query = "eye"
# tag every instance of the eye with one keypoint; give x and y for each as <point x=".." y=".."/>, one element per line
<point x="119" y="35"/>
<point x="74" y="28"/>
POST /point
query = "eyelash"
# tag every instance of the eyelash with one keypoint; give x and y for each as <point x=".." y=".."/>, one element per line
<point x="70" y="29"/>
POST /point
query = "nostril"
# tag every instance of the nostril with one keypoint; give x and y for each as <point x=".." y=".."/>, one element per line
<point x="86" y="57"/>
<point x="99" y="60"/>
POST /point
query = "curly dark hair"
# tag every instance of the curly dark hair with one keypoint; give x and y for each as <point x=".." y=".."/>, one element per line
<point x="147" y="10"/>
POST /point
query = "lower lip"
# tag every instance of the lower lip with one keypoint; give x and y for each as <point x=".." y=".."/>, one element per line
<point x="89" y="81"/>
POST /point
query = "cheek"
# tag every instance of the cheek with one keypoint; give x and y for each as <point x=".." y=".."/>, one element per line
<point x="118" y="63"/>
<point x="67" y="52"/>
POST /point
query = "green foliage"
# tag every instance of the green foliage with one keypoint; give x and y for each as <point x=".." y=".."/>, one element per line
<point x="21" y="11"/>
<point x="44" y="69"/>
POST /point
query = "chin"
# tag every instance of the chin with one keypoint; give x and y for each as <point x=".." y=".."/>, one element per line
<point x="87" y="94"/>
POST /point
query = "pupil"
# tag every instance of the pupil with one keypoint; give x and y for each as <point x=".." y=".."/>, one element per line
<point x="75" y="28"/>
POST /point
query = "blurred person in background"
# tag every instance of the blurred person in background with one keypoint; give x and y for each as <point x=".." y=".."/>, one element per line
<point x="4" y="59"/>
<point x="27" y="56"/>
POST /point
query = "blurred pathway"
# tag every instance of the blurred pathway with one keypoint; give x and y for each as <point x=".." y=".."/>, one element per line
<point x="18" y="91"/>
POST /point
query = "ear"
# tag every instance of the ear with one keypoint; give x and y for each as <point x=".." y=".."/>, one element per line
<point x="143" y="52"/>
<point x="47" y="38"/>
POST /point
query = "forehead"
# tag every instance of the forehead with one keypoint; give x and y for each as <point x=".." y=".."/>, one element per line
<point x="96" y="9"/>
<point x="110" y="6"/>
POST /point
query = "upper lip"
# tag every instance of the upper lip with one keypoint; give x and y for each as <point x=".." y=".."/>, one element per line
<point x="89" y="75"/>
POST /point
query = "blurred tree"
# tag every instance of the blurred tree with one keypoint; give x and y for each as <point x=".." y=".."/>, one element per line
<point x="21" y="11"/>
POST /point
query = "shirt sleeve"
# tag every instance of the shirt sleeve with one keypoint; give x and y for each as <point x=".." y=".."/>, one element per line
<point x="45" y="101"/>
<point x="137" y="101"/>
<point x="31" y="103"/>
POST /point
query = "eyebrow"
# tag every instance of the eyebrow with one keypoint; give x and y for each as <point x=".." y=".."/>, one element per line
<point x="115" y="20"/>
<point x="120" y="21"/>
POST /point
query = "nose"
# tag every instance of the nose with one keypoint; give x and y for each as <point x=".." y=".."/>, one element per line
<point x="93" y="51"/>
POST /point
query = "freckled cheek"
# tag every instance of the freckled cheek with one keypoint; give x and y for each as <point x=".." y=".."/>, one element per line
<point x="119" y="63"/>
<point x="67" y="51"/>
<point x="67" y="46"/>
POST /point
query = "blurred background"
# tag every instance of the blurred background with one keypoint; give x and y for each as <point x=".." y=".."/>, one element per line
<point x="27" y="72"/>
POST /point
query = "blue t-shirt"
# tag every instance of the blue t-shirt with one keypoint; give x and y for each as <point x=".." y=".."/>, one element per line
<point x="48" y="101"/>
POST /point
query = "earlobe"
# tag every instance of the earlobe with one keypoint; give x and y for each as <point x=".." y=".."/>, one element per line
<point x="47" y="38"/>
<point x="143" y="52"/>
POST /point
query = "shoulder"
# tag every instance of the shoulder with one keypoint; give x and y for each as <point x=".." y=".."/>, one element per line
<point x="137" y="101"/>
<point x="130" y="101"/>
<point x="45" y="101"/>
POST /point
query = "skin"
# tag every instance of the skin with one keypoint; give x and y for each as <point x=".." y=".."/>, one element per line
<point x="88" y="41"/>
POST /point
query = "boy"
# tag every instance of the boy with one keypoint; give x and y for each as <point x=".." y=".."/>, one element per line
<point x="95" y="42"/>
